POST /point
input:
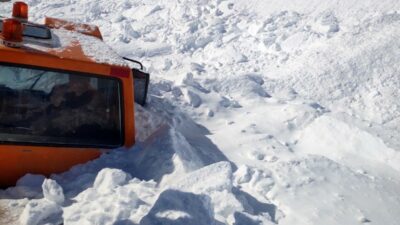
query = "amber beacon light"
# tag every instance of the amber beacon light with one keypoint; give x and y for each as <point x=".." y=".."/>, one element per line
<point x="20" y="11"/>
<point x="12" y="33"/>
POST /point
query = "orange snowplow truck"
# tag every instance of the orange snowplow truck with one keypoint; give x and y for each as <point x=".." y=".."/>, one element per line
<point x="65" y="96"/>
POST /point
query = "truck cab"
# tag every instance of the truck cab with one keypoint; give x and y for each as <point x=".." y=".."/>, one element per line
<point x="65" y="96"/>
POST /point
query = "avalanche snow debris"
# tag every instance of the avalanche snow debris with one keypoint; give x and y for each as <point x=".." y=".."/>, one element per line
<point x="41" y="211"/>
<point x="331" y="132"/>
<point x="52" y="191"/>
<point x="318" y="87"/>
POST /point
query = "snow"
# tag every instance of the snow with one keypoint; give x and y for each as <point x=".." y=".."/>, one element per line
<point x="92" y="47"/>
<point x="53" y="192"/>
<point x="40" y="211"/>
<point x="331" y="132"/>
<point x="260" y="112"/>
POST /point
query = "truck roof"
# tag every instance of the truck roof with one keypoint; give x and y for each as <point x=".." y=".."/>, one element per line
<point x="67" y="40"/>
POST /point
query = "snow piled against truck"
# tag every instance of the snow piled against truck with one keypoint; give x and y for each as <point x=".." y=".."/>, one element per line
<point x="260" y="112"/>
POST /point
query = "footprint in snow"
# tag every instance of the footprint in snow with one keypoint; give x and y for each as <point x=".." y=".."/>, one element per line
<point x="260" y="181"/>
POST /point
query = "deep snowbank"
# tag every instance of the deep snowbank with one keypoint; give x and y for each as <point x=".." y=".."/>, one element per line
<point x="260" y="112"/>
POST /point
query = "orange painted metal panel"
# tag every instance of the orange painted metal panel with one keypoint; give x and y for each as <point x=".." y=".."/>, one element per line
<point x="87" y="29"/>
<point x="16" y="160"/>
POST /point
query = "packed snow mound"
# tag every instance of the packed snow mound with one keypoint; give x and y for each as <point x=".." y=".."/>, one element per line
<point x="365" y="79"/>
<point x="347" y="10"/>
<point x="339" y="192"/>
<point x="260" y="112"/>
<point x="326" y="135"/>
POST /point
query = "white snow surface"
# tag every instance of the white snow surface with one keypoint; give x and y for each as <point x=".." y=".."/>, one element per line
<point x="260" y="112"/>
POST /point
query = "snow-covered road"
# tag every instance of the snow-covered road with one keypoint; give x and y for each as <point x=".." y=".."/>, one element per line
<point x="260" y="112"/>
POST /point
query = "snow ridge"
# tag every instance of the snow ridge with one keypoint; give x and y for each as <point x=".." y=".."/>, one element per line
<point x="260" y="112"/>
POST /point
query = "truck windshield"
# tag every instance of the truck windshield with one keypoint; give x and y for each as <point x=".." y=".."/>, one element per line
<point x="45" y="107"/>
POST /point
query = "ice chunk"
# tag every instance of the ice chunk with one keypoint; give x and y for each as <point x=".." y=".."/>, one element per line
<point x="53" y="192"/>
<point x="216" y="177"/>
<point x="108" y="179"/>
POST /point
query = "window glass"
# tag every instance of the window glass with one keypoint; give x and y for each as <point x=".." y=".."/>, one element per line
<point x="35" y="31"/>
<point x="59" y="108"/>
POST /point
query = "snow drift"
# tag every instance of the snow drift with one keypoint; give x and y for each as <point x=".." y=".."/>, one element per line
<point x="260" y="112"/>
